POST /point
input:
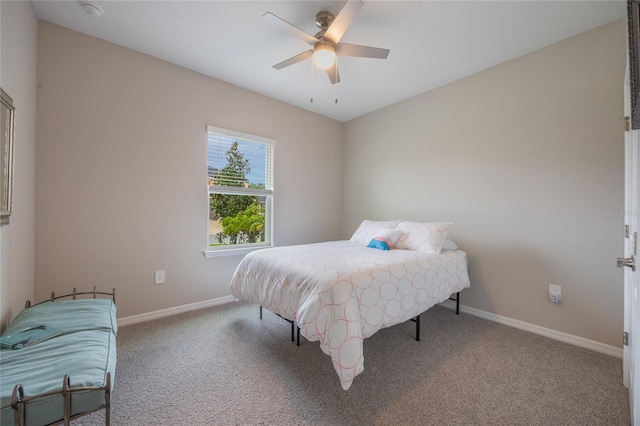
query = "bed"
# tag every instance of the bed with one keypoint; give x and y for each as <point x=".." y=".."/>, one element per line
<point x="341" y="292"/>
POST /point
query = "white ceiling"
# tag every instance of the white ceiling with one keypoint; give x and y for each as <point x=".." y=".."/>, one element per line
<point x="432" y="42"/>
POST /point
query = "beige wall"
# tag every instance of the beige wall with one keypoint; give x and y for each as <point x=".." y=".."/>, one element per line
<point x="18" y="35"/>
<point x="525" y="159"/>
<point x="121" y="163"/>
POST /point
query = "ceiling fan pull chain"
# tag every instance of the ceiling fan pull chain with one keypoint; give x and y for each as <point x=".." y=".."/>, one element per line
<point x="312" y="81"/>
<point x="336" y="85"/>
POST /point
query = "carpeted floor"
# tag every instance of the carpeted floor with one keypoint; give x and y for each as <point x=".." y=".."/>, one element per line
<point x="224" y="366"/>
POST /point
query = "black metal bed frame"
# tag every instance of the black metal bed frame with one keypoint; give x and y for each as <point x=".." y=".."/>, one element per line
<point x="416" y="320"/>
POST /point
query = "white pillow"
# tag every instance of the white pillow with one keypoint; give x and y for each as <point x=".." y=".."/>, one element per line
<point x="449" y="245"/>
<point x="427" y="237"/>
<point x="368" y="228"/>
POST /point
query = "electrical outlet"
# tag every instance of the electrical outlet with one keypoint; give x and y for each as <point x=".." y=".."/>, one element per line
<point x="555" y="293"/>
<point x="159" y="277"/>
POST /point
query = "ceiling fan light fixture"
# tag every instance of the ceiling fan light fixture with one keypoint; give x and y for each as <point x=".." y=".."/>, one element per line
<point x="324" y="56"/>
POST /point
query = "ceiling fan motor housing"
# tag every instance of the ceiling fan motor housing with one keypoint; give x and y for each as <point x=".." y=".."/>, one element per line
<point x="324" y="19"/>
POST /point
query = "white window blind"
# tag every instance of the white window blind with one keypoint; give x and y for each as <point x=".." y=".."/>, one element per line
<point x="250" y="172"/>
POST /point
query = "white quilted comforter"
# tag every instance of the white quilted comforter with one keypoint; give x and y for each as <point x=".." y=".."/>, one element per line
<point x="340" y="292"/>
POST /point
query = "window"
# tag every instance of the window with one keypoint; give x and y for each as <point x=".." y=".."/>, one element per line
<point x="240" y="180"/>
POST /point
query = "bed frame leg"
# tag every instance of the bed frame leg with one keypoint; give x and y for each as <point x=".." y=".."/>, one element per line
<point x="417" y="321"/>
<point x="457" y="299"/>
<point x="293" y="328"/>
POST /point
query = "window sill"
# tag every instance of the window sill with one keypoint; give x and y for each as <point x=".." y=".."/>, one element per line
<point x="232" y="252"/>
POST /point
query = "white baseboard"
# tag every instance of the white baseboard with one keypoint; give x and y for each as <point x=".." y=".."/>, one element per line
<point x="134" y="319"/>
<point x="536" y="329"/>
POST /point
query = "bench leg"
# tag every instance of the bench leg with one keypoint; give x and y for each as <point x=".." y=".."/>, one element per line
<point x="66" y="394"/>
<point x="18" y="405"/>
<point x="107" y="401"/>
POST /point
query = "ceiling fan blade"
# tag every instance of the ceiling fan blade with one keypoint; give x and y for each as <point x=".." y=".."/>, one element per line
<point x="294" y="60"/>
<point x="333" y="74"/>
<point x="344" y="49"/>
<point x="340" y="24"/>
<point x="290" y="28"/>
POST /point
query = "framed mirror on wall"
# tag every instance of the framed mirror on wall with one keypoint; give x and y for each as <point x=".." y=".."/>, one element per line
<point x="633" y="40"/>
<point x="7" y="129"/>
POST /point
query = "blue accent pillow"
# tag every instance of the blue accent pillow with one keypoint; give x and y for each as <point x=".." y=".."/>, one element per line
<point x="385" y="238"/>
<point x="377" y="244"/>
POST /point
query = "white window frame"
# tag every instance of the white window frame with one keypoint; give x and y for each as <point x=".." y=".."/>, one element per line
<point x="268" y="192"/>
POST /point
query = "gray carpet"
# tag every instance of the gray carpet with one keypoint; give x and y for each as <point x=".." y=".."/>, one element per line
<point x="224" y="366"/>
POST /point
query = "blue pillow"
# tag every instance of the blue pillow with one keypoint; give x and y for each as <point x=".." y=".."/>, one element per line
<point x="377" y="244"/>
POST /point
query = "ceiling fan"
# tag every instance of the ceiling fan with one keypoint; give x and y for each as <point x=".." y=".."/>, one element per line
<point x="326" y="42"/>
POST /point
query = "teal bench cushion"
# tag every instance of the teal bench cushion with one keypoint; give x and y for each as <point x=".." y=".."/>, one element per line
<point x="86" y="356"/>
<point x="69" y="316"/>
<point x="85" y="350"/>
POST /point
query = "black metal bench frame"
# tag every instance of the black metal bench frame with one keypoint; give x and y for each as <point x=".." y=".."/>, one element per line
<point x="19" y="400"/>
